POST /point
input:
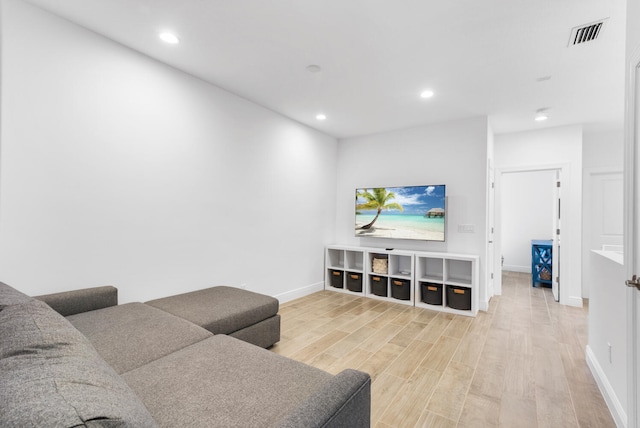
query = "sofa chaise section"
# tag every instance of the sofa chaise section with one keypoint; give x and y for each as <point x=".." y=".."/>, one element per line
<point x="248" y="316"/>
<point x="225" y="382"/>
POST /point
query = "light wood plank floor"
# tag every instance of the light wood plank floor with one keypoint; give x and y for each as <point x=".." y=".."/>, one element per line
<point x="521" y="364"/>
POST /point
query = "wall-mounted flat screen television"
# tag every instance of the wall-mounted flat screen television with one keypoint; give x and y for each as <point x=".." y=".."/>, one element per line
<point x="409" y="212"/>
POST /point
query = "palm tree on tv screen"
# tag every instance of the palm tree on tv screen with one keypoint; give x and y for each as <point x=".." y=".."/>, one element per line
<point x="378" y="200"/>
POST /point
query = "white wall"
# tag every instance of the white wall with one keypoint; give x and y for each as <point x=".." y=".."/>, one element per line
<point x="450" y="153"/>
<point x="602" y="196"/>
<point x="526" y="213"/>
<point x="117" y="169"/>
<point x="602" y="278"/>
<point x="606" y="351"/>
<point x="559" y="147"/>
<point x="600" y="149"/>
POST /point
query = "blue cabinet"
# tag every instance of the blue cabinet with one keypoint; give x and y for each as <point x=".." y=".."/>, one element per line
<point x="541" y="262"/>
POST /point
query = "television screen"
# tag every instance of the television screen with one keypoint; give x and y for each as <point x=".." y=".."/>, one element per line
<point x="409" y="212"/>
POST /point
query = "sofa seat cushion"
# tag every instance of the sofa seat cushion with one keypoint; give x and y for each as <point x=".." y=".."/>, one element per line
<point x="51" y="376"/>
<point x="131" y="335"/>
<point x="221" y="310"/>
<point x="223" y="382"/>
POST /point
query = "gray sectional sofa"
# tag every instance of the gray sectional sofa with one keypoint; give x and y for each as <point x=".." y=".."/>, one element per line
<point x="171" y="362"/>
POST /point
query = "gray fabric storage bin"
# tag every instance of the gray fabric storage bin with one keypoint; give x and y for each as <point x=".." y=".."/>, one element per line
<point x="379" y="285"/>
<point x="354" y="282"/>
<point x="459" y="297"/>
<point x="400" y="289"/>
<point x="336" y="279"/>
<point x="431" y="293"/>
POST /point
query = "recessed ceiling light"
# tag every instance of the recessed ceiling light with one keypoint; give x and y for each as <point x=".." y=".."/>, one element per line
<point x="169" y="38"/>
<point x="426" y="94"/>
<point x="321" y="116"/>
<point x="541" y="115"/>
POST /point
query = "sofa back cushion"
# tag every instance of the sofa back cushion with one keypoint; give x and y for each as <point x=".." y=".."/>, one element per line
<point x="10" y="296"/>
<point x="52" y="376"/>
<point x="83" y="300"/>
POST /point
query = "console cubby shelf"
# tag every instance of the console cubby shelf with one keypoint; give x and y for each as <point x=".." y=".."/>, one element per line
<point x="349" y="263"/>
<point x="445" y="279"/>
<point x="396" y="284"/>
<point x="455" y="274"/>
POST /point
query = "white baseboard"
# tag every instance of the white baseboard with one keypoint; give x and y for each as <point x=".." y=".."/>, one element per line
<point x="514" y="268"/>
<point x="574" y="301"/>
<point x="609" y="395"/>
<point x="299" y="292"/>
<point x="483" y="305"/>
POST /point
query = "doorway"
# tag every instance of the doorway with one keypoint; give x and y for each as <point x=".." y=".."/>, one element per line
<point x="527" y="207"/>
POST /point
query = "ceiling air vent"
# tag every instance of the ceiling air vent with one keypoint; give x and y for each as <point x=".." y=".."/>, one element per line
<point x="586" y="33"/>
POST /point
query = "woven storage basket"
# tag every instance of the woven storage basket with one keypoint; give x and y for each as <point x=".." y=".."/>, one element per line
<point x="380" y="266"/>
<point x="545" y="275"/>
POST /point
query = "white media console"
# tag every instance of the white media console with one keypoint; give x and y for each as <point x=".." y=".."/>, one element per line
<point x="438" y="281"/>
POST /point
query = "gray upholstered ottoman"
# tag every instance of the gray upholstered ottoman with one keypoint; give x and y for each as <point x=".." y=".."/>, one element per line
<point x="243" y="314"/>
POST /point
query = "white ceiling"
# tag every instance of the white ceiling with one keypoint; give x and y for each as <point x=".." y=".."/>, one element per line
<point x="480" y="57"/>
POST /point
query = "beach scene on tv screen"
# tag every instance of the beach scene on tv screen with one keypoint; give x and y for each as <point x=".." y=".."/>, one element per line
<point x="410" y="212"/>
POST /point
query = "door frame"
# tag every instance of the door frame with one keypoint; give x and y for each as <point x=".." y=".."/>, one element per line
<point x="557" y="226"/>
<point x="564" y="169"/>
<point x="490" y="279"/>
<point x="631" y="245"/>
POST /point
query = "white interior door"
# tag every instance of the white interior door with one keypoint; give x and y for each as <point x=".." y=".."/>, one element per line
<point x="557" y="229"/>
<point x="635" y="294"/>
<point x="632" y="248"/>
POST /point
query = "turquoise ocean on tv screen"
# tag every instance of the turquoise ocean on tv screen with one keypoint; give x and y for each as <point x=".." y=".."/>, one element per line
<point x="402" y="221"/>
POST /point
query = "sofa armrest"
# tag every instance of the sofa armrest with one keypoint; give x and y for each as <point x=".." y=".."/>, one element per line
<point x="344" y="401"/>
<point x="84" y="300"/>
